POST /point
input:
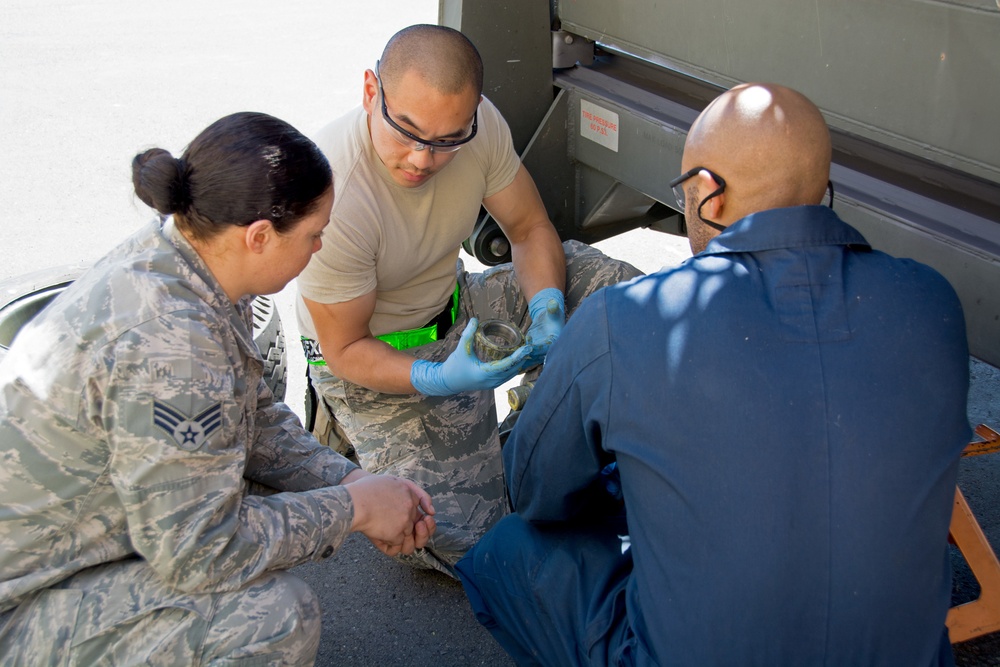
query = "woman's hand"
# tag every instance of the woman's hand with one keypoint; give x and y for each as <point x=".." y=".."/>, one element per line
<point x="394" y="513"/>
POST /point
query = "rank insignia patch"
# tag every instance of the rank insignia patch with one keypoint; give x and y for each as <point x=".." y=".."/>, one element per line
<point x="188" y="432"/>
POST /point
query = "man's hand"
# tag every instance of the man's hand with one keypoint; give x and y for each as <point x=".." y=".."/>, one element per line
<point x="548" y="316"/>
<point x="463" y="371"/>
<point x="394" y="513"/>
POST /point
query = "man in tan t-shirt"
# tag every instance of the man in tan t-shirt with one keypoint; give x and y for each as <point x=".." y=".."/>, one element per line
<point x="387" y="311"/>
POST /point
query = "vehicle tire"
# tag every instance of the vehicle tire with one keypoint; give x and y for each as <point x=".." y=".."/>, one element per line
<point x="23" y="297"/>
<point x="270" y="338"/>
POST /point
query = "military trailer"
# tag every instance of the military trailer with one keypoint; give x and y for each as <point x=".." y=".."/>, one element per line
<point x="599" y="96"/>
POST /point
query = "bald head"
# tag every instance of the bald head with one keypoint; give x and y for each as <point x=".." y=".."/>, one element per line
<point x="443" y="57"/>
<point x="769" y="142"/>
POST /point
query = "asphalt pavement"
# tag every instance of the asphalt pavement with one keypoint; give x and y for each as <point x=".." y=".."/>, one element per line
<point x="84" y="86"/>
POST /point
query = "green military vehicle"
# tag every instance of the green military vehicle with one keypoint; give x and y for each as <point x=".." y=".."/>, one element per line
<point x="599" y="96"/>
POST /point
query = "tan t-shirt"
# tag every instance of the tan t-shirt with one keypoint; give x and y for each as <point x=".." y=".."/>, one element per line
<point x="401" y="242"/>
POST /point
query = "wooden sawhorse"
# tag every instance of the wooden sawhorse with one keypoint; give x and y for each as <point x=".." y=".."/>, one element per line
<point x="982" y="615"/>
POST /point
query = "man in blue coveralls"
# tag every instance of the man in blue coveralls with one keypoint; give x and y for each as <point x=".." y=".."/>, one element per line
<point x="786" y="411"/>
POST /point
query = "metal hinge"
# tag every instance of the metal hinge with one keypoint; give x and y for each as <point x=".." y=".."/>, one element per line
<point x="569" y="49"/>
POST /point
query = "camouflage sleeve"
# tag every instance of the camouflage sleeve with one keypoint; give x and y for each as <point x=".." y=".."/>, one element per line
<point x="285" y="456"/>
<point x="179" y="418"/>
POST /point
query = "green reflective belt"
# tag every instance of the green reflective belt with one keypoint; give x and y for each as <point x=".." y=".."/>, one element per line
<point x="404" y="340"/>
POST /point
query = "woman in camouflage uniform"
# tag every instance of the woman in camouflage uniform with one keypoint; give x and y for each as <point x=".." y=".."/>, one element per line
<point x="136" y="432"/>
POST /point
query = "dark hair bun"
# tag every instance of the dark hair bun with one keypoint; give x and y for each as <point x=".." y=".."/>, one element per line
<point x="244" y="167"/>
<point x="160" y="181"/>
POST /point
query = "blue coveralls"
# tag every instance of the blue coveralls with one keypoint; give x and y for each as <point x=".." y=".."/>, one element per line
<point x="786" y="410"/>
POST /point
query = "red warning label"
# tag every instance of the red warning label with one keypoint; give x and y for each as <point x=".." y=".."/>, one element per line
<point x="598" y="124"/>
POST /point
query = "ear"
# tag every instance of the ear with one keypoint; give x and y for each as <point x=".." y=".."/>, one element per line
<point x="257" y="235"/>
<point x="369" y="92"/>
<point x="712" y="210"/>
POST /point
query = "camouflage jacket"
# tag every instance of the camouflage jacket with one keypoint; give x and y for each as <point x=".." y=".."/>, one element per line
<point x="133" y="414"/>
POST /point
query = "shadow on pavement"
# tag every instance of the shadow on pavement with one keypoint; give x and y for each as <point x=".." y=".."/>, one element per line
<point x="379" y="612"/>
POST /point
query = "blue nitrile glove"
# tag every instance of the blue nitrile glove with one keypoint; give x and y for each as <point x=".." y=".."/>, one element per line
<point x="548" y="316"/>
<point x="612" y="480"/>
<point x="463" y="371"/>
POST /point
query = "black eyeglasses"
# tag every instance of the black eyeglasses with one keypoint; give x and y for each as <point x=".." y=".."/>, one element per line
<point x="676" y="184"/>
<point x="415" y="143"/>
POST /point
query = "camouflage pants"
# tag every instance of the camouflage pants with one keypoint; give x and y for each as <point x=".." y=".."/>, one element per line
<point x="122" y="614"/>
<point x="450" y="445"/>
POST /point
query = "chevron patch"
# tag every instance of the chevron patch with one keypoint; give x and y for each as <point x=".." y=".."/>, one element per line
<point x="188" y="432"/>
